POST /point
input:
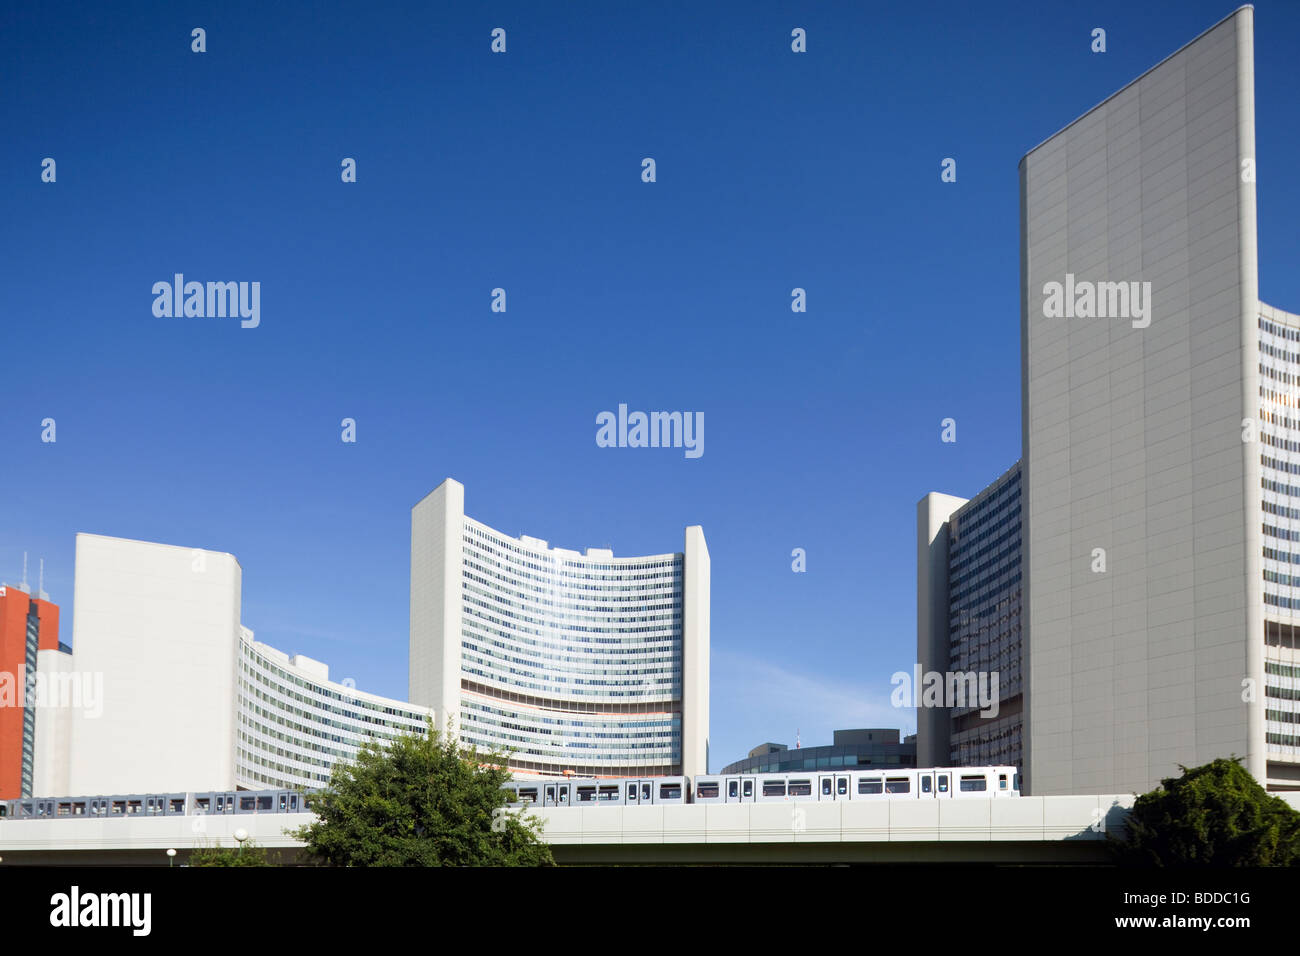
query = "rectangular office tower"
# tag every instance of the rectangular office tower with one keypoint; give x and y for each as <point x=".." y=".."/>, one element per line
<point x="1136" y="573"/>
<point x="572" y="662"/>
<point x="1159" y="427"/>
<point x="969" y="618"/>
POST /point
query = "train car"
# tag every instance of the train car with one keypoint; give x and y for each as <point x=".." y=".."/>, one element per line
<point x="596" y="792"/>
<point x="882" y="784"/>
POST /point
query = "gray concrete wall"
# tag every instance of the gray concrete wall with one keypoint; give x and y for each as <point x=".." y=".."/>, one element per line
<point x="1132" y="436"/>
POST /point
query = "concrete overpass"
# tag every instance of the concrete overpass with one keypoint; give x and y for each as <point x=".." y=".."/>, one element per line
<point x="1021" y="830"/>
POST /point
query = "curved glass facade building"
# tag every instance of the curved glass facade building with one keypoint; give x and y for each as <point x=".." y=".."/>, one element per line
<point x="292" y="723"/>
<point x="1279" y="444"/>
<point x="571" y="661"/>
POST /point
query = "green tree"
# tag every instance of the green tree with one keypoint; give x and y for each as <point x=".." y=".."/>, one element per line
<point x="1215" y="815"/>
<point x="422" y="801"/>
<point x="215" y="854"/>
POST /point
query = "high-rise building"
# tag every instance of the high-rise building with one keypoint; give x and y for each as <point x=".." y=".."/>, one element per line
<point x="29" y="626"/>
<point x="185" y="697"/>
<point x="1161" y="444"/>
<point x="581" y="662"/>
<point x="969" y="621"/>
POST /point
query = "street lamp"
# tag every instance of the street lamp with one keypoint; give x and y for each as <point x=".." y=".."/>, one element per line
<point x="171" y="855"/>
<point x="240" y="836"/>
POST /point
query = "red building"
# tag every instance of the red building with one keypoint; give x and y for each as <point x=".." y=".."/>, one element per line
<point x="27" y="625"/>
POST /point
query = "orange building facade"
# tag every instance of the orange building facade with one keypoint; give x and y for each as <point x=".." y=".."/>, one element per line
<point x="27" y="625"/>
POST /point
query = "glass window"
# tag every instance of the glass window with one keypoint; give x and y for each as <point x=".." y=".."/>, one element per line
<point x="975" y="784"/>
<point x="826" y="787"/>
<point x="943" y="783"/>
<point x="749" y="789"/>
<point x="801" y="788"/>
<point x="773" y="788"/>
<point x="709" y="789"/>
<point x="870" y="786"/>
<point x="898" y="785"/>
<point x="842" y="786"/>
<point x="925" y="783"/>
<point x="731" y="789"/>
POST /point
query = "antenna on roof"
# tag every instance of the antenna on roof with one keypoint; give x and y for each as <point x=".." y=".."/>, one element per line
<point x="796" y="738"/>
<point x="24" y="586"/>
<point x="40" y="588"/>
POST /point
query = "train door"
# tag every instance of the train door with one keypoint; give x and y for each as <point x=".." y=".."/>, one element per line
<point x="564" y="794"/>
<point x="731" y="790"/>
<point x="633" y="793"/>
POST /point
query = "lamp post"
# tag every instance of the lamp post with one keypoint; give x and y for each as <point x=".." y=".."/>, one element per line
<point x="240" y="836"/>
<point x="171" y="855"/>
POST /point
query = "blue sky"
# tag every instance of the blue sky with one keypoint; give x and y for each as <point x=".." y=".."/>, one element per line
<point x="775" y="170"/>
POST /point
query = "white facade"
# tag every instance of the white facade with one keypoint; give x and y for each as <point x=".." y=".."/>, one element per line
<point x="160" y="624"/>
<point x="190" y="700"/>
<point x="294" y="723"/>
<point x="573" y="661"/>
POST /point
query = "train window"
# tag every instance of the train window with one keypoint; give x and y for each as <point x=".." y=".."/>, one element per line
<point x="221" y="804"/>
<point x="645" y="791"/>
<point x="870" y="786"/>
<point x="1015" y="782"/>
<point x="774" y="788"/>
<point x="246" y="803"/>
<point x="670" y="791"/>
<point x="943" y="783"/>
<point x="133" y="806"/>
<point x="283" y="802"/>
<point x="528" y="794"/>
<point x="842" y="786"/>
<point x="564" y="794"/>
<point x="731" y="790"/>
<point x="973" y="784"/>
<point x="801" y="788"/>
<point x="898" y="785"/>
<point x="631" y="791"/>
<point x="1002" y="781"/>
<point x="264" y="803"/>
<point x="550" y="794"/>
<point x="119" y="806"/>
<point x="201" y="804"/>
<point x="293" y="801"/>
<point x="749" y="789"/>
<point x="79" y="808"/>
<point x="586" y="794"/>
<point x="708" y="789"/>
<point x="177" y="806"/>
<point x="826" y="787"/>
<point x="925" y="784"/>
<point x="609" y="793"/>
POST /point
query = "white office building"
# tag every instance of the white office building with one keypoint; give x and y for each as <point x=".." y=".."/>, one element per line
<point x="190" y="701"/>
<point x="573" y="661"/>
<point x="1160" y="482"/>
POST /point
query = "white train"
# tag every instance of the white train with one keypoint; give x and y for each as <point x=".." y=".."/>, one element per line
<point x="940" y="783"/>
<point x="937" y="783"/>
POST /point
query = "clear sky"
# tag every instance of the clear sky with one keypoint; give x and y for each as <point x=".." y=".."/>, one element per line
<point x="775" y="170"/>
